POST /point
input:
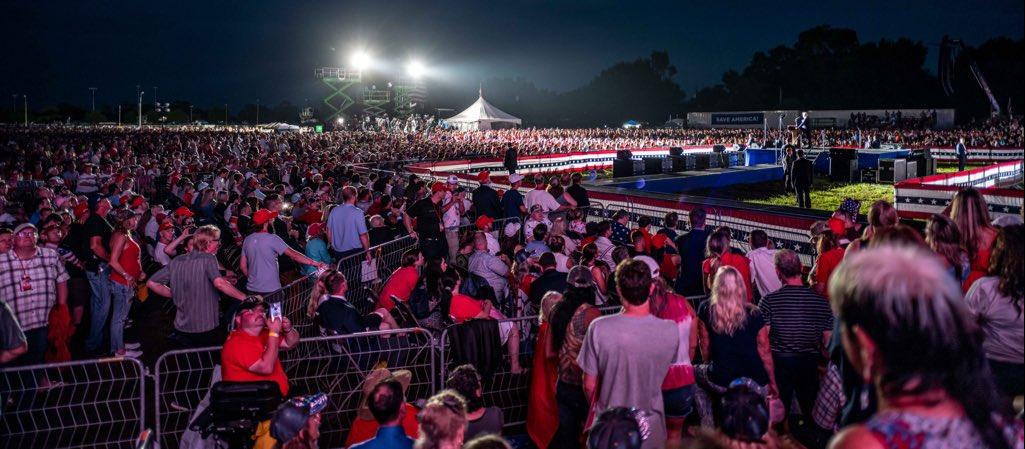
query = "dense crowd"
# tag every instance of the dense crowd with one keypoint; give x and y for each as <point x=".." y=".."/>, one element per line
<point x="895" y="338"/>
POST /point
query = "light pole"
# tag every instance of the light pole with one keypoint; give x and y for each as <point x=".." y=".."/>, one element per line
<point x="26" y="108"/>
<point x="225" y="114"/>
<point x="92" y="90"/>
<point x="257" y="112"/>
<point x="119" y="116"/>
<point x="141" y="93"/>
<point x="190" y="114"/>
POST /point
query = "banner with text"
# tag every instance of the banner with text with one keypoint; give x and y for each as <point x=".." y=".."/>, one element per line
<point x="743" y="118"/>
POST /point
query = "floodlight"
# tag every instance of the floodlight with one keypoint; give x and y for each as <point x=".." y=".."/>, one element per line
<point x="360" y="60"/>
<point x="415" y="69"/>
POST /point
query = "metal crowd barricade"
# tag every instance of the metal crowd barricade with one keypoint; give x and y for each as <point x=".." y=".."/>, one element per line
<point x="335" y="366"/>
<point x="365" y="280"/>
<point x="503" y="389"/>
<point x="89" y="403"/>
<point x="295" y="298"/>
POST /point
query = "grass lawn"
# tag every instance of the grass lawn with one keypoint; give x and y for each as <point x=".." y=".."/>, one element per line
<point x="825" y="194"/>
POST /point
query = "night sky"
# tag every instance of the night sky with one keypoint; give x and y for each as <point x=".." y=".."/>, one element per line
<point x="214" y="52"/>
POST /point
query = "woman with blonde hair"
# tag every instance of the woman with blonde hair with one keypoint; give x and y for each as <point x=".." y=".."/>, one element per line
<point x="881" y="215"/>
<point x="969" y="211"/>
<point x="943" y="237"/>
<point x="734" y="339"/>
<point x="442" y="422"/>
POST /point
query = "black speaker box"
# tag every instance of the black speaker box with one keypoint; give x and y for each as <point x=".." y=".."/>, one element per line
<point x="718" y="148"/>
<point x="653" y="165"/>
<point x="892" y="171"/>
<point x="624" y="154"/>
<point x="622" y="168"/>
<point x="702" y="161"/>
<point x="869" y="175"/>
<point x="841" y="169"/>
<point x="675" y="151"/>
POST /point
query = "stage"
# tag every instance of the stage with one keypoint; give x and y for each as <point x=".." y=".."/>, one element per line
<point x="867" y="158"/>
<point x="674" y="183"/>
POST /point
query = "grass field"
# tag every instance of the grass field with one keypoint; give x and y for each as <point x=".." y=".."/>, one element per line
<point x="825" y="194"/>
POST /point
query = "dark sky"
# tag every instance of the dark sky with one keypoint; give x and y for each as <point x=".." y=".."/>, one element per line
<point x="212" y="52"/>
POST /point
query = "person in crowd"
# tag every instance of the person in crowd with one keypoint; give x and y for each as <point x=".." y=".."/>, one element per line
<point x="194" y="283"/>
<point x="427" y="213"/>
<point x="943" y="237"/>
<point x="55" y="234"/>
<point x="453" y="213"/>
<point x="484" y="224"/>
<point x="603" y="243"/>
<point x="402" y="282"/>
<point x="7" y="239"/>
<point x="621" y="228"/>
<point x="347" y="227"/>
<point x="551" y="279"/>
<point x="788" y="168"/>
<point x="800" y="325"/>
<point x="570" y="319"/>
<point x="463" y="307"/>
<point x="34" y="284"/>
<point x="125" y="272"/>
<point x="513" y="206"/>
<point x="387" y="403"/>
<point x="337" y="314"/>
<point x="542" y="410"/>
<point x="719" y="252"/>
<point x="969" y="210"/>
<point x="678" y="386"/>
<point x="830" y="254"/>
<point x="485" y="198"/>
<point x="578" y="192"/>
<point x="488" y="266"/>
<point x="733" y="338"/>
<point x="907" y="330"/>
<point x="625" y="357"/>
<point x="13" y="342"/>
<point x="995" y="300"/>
<point x="540" y="196"/>
<point x="537" y="218"/>
<point x="763" y="270"/>
<point x="619" y="427"/>
<point x="480" y="420"/>
<point x="380" y="232"/>
<point x="802" y="171"/>
<point x="400" y="416"/>
<point x="296" y="422"/>
<point x="689" y="281"/>
<point x="260" y="252"/>
<point x="961" y="151"/>
<point x="316" y="248"/>
<point x="250" y="354"/>
<point x="97" y="233"/>
<point x="881" y="216"/>
<point x="168" y="243"/>
<point x="442" y="422"/>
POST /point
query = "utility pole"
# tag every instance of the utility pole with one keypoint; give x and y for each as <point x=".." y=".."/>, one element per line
<point x="26" y="109"/>
<point x="257" y="112"/>
<point x="92" y="90"/>
<point x="119" y="116"/>
<point x="225" y="114"/>
<point x="190" y="114"/>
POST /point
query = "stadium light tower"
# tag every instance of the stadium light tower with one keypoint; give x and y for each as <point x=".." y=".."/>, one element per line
<point x="415" y="69"/>
<point x="92" y="90"/>
<point x="360" y="60"/>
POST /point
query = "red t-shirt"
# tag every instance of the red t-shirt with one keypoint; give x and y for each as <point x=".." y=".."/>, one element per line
<point x="826" y="263"/>
<point x="464" y="307"/>
<point x="241" y="351"/>
<point x="741" y="263"/>
<point x="400" y="284"/>
<point x="365" y="429"/>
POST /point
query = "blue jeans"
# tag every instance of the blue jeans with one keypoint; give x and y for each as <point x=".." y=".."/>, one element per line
<point x="99" y="284"/>
<point x="122" y="297"/>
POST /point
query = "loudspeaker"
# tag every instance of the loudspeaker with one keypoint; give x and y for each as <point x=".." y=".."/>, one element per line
<point x="702" y="161"/>
<point x="892" y="171"/>
<point x="718" y="148"/>
<point x="653" y="165"/>
<point x="622" y="168"/>
<point x="912" y="168"/>
<point x="843" y="154"/>
<point x="624" y="154"/>
<point x="869" y="175"/>
<point x="734" y="158"/>
<point x="675" y="151"/>
<point x="843" y="170"/>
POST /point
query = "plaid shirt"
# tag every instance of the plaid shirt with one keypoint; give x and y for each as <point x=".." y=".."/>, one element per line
<point x="44" y="270"/>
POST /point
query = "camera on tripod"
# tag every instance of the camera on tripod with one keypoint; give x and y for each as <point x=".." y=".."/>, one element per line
<point x="236" y="408"/>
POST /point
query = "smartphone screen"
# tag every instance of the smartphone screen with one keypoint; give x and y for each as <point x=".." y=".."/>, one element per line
<point x="275" y="311"/>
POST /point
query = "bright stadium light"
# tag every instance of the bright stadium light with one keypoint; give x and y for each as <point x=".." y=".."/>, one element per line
<point x="415" y="69"/>
<point x="360" y="60"/>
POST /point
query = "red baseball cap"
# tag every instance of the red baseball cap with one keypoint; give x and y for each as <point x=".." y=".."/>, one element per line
<point x="263" y="216"/>
<point x="166" y="225"/>
<point x="183" y="211"/>
<point x="483" y="176"/>
<point x="438" y="187"/>
<point x="137" y="201"/>
<point x="315" y="229"/>
<point x="484" y="221"/>
<point x="80" y="209"/>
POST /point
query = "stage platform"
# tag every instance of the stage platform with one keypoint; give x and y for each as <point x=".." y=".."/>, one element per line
<point x="867" y="158"/>
<point x="675" y="183"/>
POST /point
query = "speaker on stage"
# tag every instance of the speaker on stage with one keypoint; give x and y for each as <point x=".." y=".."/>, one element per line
<point x="912" y="168"/>
<point x="624" y="154"/>
<point x="718" y="148"/>
<point x="842" y="163"/>
<point x="702" y="161"/>
<point x="653" y="165"/>
<point x="675" y="151"/>
<point x="674" y="164"/>
<point x="622" y="168"/>
<point x="892" y="171"/>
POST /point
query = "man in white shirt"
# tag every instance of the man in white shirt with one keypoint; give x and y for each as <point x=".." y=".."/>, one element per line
<point x="763" y="268"/>
<point x="540" y="196"/>
<point x="604" y="243"/>
<point x="537" y="216"/>
<point x="452" y="212"/>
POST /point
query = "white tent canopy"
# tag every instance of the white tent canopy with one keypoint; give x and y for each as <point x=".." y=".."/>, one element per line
<point x="481" y="115"/>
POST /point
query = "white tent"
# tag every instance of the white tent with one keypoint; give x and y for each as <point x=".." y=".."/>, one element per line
<point x="481" y="115"/>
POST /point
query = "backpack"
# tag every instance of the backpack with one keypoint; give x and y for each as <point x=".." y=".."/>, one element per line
<point x="420" y="301"/>
<point x="472" y="284"/>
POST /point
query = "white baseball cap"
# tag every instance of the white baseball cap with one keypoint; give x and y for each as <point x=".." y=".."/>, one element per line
<point x="452" y="179"/>
<point x="650" y="263"/>
<point x="515" y="177"/>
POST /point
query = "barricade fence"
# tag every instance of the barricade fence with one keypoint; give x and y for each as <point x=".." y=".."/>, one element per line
<point x="89" y="403"/>
<point x="335" y="366"/>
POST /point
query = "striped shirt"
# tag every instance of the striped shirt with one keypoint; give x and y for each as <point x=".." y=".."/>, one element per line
<point x="30" y="286"/>
<point x="191" y="279"/>
<point x="797" y="317"/>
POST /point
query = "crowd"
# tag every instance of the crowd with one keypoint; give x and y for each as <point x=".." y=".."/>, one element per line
<point x="894" y="338"/>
